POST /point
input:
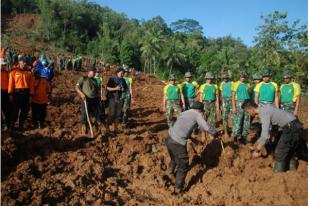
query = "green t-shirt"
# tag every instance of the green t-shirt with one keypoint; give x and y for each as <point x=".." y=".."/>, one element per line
<point x="172" y="92"/>
<point x="209" y="91"/>
<point x="89" y="87"/>
<point x="99" y="81"/>
<point x="189" y="89"/>
<point x="128" y="81"/>
<point x="226" y="89"/>
<point x="289" y="92"/>
<point x="241" y="90"/>
<point x="266" y="91"/>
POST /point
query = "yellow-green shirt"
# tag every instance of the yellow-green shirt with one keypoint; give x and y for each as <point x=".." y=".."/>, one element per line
<point x="226" y="89"/>
<point x="241" y="90"/>
<point x="289" y="92"/>
<point x="188" y="89"/>
<point x="209" y="91"/>
<point x="266" y="91"/>
<point x="172" y="92"/>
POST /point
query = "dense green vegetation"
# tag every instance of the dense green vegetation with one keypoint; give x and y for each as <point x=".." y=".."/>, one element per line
<point x="155" y="47"/>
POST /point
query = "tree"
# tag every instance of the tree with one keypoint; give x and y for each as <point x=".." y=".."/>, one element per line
<point x="174" y="55"/>
<point x="188" y="26"/>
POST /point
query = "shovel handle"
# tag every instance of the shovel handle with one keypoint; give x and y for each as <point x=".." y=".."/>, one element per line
<point x="88" y="119"/>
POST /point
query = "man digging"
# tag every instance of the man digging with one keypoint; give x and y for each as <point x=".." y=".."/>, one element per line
<point x="176" y="141"/>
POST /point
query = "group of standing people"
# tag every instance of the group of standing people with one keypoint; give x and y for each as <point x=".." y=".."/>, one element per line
<point x="116" y="95"/>
<point x="239" y="101"/>
<point x="228" y="97"/>
<point x="24" y="84"/>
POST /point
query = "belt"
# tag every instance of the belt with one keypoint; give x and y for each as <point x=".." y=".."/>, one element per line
<point x="265" y="102"/>
<point x="295" y="122"/>
<point x="4" y="91"/>
<point x="209" y="101"/>
<point x="286" y="103"/>
<point x="21" y="90"/>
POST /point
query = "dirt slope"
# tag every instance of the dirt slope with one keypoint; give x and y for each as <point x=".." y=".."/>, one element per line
<point x="57" y="166"/>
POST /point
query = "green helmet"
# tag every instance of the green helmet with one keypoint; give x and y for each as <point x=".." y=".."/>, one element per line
<point x="188" y="75"/>
<point x="244" y="74"/>
<point x="257" y="76"/>
<point x="225" y="75"/>
<point x="126" y="70"/>
<point x="209" y="75"/>
<point x="171" y="77"/>
<point x="287" y="74"/>
<point x="266" y="72"/>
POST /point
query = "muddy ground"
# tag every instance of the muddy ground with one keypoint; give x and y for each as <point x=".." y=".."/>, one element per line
<point x="58" y="166"/>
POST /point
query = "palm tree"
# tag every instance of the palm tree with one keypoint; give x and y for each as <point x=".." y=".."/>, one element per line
<point x="174" y="55"/>
<point x="151" y="49"/>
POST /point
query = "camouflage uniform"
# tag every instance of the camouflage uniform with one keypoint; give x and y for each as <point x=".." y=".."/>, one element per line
<point x="209" y="94"/>
<point x="210" y="112"/>
<point x="126" y="99"/>
<point x="172" y="106"/>
<point x="226" y="110"/>
<point x="241" y="119"/>
<point x="172" y="93"/>
<point x="288" y="106"/>
<point x="241" y="122"/>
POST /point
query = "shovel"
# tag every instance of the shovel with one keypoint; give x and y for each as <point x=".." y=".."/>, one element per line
<point x="88" y="119"/>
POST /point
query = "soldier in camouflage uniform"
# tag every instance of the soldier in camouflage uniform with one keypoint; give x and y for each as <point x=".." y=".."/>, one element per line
<point x="171" y="100"/>
<point x="226" y="94"/>
<point x="289" y="94"/>
<point x="60" y="60"/>
<point x="209" y="95"/>
<point x="126" y="97"/>
<point x="266" y="92"/>
<point x="8" y="59"/>
<point x="189" y="89"/>
<point x="257" y="78"/>
<point x="241" y="120"/>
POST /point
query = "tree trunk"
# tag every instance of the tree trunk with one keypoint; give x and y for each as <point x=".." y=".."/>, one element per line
<point x="154" y="67"/>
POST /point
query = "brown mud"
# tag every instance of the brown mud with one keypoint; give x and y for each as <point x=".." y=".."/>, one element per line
<point x="58" y="166"/>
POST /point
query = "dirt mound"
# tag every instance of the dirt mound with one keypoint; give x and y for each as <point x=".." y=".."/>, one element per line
<point x="57" y="166"/>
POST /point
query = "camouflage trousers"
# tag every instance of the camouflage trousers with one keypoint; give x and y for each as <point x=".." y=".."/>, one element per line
<point x="210" y="114"/>
<point x="188" y="102"/>
<point x="172" y="106"/>
<point x="288" y="107"/>
<point x="126" y="99"/>
<point x="241" y="122"/>
<point x="226" y="110"/>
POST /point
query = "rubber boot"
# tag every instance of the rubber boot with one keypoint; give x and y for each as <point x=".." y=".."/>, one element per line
<point x="21" y="125"/>
<point x="243" y="140"/>
<point x="235" y="140"/>
<point x="178" y="191"/>
<point x="280" y="166"/>
<point x="39" y="125"/>
<point x="293" y="164"/>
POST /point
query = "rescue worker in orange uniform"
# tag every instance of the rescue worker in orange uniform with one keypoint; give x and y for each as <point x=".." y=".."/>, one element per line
<point x="5" y="102"/>
<point x="40" y="91"/>
<point x="20" y="81"/>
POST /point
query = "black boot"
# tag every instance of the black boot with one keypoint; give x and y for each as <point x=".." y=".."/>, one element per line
<point x="243" y="140"/>
<point x="21" y="125"/>
<point x="293" y="164"/>
<point x="280" y="166"/>
<point x="235" y="140"/>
